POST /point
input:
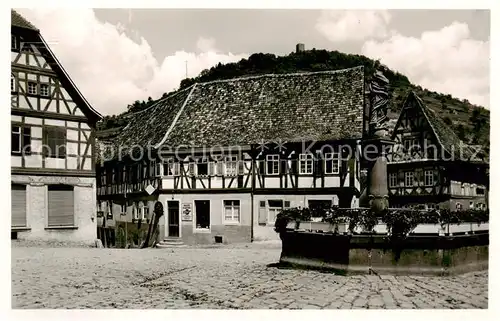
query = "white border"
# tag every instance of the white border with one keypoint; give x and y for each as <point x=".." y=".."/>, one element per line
<point x="256" y="314"/>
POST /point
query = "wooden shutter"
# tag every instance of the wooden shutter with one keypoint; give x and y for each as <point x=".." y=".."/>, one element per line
<point x="241" y="167"/>
<point x="18" y="215"/>
<point x="61" y="205"/>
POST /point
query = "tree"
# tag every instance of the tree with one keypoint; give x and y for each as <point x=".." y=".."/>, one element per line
<point x="461" y="132"/>
<point x="447" y="120"/>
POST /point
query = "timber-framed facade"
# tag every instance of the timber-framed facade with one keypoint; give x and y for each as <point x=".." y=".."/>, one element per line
<point x="430" y="166"/>
<point x="52" y="144"/>
<point x="225" y="157"/>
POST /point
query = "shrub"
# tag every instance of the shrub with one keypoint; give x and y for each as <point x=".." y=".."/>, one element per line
<point x="400" y="222"/>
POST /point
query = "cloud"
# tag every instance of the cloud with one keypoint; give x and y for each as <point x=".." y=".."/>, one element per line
<point x="353" y="25"/>
<point x="445" y="60"/>
<point x="111" y="69"/>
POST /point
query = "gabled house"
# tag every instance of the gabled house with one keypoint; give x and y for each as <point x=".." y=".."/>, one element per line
<point x="430" y="166"/>
<point x="224" y="157"/>
<point x="52" y="144"/>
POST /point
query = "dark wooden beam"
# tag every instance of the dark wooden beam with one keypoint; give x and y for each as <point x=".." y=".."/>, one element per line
<point x="47" y="115"/>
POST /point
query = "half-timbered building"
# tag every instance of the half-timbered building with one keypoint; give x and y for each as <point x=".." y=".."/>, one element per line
<point x="430" y="166"/>
<point x="224" y="157"/>
<point x="52" y="144"/>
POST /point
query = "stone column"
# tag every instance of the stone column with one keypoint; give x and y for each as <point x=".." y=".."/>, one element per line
<point x="376" y="193"/>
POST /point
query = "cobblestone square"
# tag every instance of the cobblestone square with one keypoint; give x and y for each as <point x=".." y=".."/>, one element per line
<point x="234" y="277"/>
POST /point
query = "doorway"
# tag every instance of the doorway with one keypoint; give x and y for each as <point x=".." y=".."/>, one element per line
<point x="173" y="218"/>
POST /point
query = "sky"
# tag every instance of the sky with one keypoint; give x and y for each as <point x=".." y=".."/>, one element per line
<point x="117" y="56"/>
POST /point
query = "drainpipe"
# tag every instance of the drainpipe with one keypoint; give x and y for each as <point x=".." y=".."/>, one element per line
<point x="252" y="155"/>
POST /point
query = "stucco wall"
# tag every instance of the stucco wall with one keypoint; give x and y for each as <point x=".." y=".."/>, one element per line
<point x="85" y="229"/>
<point x="266" y="232"/>
<point x="231" y="232"/>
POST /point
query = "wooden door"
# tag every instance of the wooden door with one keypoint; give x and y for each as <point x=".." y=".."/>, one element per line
<point x="173" y="218"/>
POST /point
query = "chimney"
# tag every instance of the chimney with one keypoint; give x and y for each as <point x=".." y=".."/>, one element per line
<point x="299" y="48"/>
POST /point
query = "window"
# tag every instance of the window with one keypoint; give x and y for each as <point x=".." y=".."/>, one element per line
<point x="231" y="165"/>
<point x="123" y="209"/>
<point x="393" y="180"/>
<point x="479" y="191"/>
<point x="202" y="217"/>
<point x="272" y="164"/>
<point x="275" y="206"/>
<point x="409" y="178"/>
<point x="145" y="212"/>
<point x="13" y="42"/>
<point x="466" y="189"/>
<point x="18" y="205"/>
<point x="32" y="88"/>
<point x="55" y="142"/>
<point x="411" y="145"/>
<point x="12" y="83"/>
<point x="170" y="168"/>
<point x="305" y="163"/>
<point x="429" y="178"/>
<point x="21" y="140"/>
<point x="157" y="169"/>
<point x="232" y="211"/>
<point x="44" y="90"/>
<point x="332" y="163"/>
<point x="202" y="166"/>
<point x="60" y="206"/>
<point x="459" y="206"/>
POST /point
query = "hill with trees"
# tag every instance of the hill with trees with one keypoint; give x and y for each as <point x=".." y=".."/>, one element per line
<point x="470" y="122"/>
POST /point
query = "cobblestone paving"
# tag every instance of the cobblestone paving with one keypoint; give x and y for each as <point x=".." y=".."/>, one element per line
<point x="218" y="278"/>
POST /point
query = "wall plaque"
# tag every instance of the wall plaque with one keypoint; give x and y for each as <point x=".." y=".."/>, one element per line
<point x="187" y="212"/>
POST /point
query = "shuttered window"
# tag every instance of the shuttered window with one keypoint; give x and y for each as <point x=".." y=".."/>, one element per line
<point x="55" y="142"/>
<point x="61" y="206"/>
<point x="18" y="213"/>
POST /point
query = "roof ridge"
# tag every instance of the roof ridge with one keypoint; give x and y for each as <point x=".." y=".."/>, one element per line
<point x="173" y="94"/>
<point x="78" y="92"/>
<point x="172" y="125"/>
<point x="424" y="111"/>
<point x="430" y="112"/>
<point x="307" y="73"/>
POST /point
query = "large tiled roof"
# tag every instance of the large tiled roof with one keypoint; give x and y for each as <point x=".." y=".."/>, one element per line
<point x="446" y="137"/>
<point x="19" y="21"/>
<point x="288" y="107"/>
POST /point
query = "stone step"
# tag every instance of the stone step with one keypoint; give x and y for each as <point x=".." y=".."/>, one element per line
<point x="171" y="242"/>
<point x="170" y="246"/>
